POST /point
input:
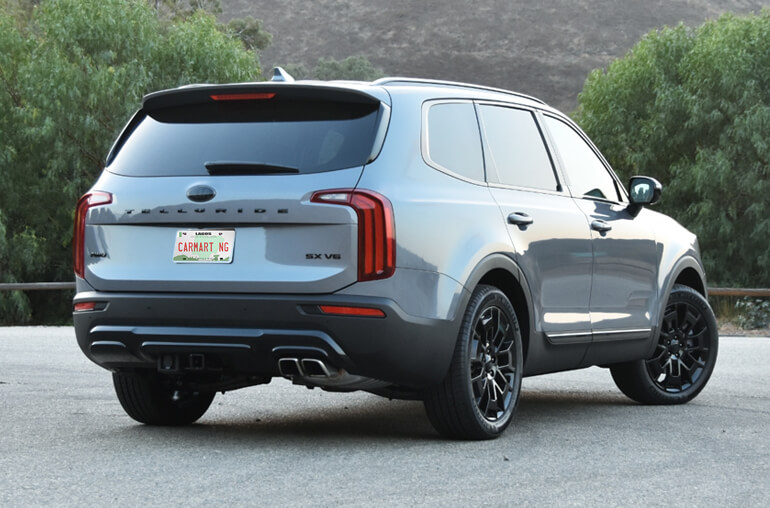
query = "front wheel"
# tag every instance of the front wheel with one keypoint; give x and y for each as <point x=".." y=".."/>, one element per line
<point x="684" y="357"/>
<point x="478" y="396"/>
<point x="152" y="399"/>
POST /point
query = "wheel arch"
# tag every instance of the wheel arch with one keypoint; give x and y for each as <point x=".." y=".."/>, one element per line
<point x="687" y="271"/>
<point x="690" y="277"/>
<point x="501" y="271"/>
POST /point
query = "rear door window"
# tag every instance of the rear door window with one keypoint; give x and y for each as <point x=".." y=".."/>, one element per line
<point x="291" y="136"/>
<point x="514" y="150"/>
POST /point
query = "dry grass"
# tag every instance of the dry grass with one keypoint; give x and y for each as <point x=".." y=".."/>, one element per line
<point x="728" y="328"/>
<point x="728" y="315"/>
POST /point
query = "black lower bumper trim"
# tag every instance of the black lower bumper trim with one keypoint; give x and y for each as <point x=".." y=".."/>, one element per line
<point x="134" y="330"/>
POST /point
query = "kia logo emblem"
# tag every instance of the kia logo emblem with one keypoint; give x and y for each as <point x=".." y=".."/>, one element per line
<point x="201" y="193"/>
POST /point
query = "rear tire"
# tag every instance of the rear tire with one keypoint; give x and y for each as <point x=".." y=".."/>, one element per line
<point x="152" y="399"/>
<point x="684" y="357"/>
<point x="479" y="395"/>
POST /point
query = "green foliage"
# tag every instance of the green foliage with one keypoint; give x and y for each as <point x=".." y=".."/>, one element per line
<point x="71" y="74"/>
<point x="183" y="9"/>
<point x="352" y="68"/>
<point x="248" y="30"/>
<point x="197" y="51"/>
<point x="20" y="9"/>
<point x="298" y="71"/>
<point x="753" y="313"/>
<point x="251" y="32"/>
<point x="691" y="107"/>
<point x="14" y="305"/>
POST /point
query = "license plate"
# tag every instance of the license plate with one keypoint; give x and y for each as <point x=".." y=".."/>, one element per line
<point x="204" y="246"/>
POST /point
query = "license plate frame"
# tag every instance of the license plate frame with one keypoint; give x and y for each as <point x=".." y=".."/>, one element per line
<point x="204" y="246"/>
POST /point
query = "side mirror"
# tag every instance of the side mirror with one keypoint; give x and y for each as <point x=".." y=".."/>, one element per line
<point x="643" y="190"/>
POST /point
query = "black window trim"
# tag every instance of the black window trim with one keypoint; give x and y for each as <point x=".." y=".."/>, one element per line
<point x="127" y="130"/>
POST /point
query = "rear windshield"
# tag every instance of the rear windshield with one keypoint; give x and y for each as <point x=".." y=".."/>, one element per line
<point x="296" y="136"/>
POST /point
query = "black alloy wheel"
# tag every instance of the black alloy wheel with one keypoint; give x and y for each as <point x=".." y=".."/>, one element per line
<point x="684" y="356"/>
<point x="491" y="363"/>
<point x="479" y="395"/>
<point x="683" y="349"/>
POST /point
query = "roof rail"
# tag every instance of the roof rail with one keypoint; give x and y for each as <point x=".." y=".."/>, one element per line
<point x="419" y="81"/>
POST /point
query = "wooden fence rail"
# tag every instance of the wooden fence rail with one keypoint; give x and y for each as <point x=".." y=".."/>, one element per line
<point x="35" y="286"/>
<point x="45" y="286"/>
<point x="761" y="292"/>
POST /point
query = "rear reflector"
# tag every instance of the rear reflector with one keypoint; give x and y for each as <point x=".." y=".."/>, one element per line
<point x="84" y="306"/>
<point x="243" y="96"/>
<point x="343" y="310"/>
<point x="376" y="229"/>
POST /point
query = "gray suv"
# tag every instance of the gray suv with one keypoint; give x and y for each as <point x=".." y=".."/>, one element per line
<point x="414" y="239"/>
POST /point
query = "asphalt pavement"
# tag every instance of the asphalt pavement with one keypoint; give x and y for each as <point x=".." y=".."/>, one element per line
<point x="576" y="440"/>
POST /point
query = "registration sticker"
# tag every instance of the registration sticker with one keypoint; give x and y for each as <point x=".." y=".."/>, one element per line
<point x="204" y="246"/>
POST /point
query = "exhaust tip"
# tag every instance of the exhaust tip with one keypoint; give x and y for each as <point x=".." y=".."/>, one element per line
<point x="289" y="367"/>
<point x="315" y="368"/>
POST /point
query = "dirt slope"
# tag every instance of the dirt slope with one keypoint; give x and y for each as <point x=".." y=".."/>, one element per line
<point x="543" y="48"/>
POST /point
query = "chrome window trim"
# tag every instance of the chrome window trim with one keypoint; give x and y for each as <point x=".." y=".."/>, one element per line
<point x="559" y="179"/>
<point x="566" y="120"/>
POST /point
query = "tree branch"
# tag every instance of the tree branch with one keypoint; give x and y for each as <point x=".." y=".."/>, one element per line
<point x="14" y="96"/>
<point x="93" y="158"/>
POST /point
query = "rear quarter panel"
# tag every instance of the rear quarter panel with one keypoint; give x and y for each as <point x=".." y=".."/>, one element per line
<point x="444" y="225"/>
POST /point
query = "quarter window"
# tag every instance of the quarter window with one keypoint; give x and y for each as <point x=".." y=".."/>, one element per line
<point x="453" y="139"/>
<point x="514" y="150"/>
<point x="587" y="175"/>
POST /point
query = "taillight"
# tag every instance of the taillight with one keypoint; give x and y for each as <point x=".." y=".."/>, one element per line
<point x="376" y="229"/>
<point x="79" y="236"/>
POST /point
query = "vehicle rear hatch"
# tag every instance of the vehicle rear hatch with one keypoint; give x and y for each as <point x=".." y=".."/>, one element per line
<point x="211" y="190"/>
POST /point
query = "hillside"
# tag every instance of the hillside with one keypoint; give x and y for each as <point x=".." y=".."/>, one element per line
<point x="543" y="48"/>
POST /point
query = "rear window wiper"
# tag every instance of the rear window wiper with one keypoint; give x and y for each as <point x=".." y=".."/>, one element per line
<point x="247" y="168"/>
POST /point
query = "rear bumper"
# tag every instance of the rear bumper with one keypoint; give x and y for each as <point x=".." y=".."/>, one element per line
<point x="246" y="335"/>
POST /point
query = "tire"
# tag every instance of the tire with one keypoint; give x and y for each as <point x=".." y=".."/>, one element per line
<point x="153" y="400"/>
<point x="479" y="395"/>
<point x="684" y="357"/>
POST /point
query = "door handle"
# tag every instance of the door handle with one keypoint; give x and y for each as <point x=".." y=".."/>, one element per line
<point x="520" y="219"/>
<point x="600" y="226"/>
